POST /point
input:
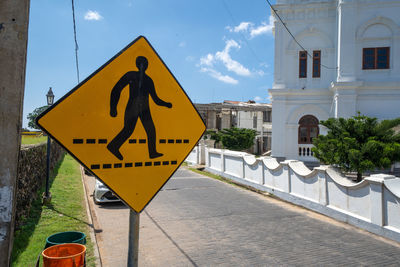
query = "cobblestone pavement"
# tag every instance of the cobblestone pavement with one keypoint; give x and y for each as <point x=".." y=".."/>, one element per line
<point x="199" y="221"/>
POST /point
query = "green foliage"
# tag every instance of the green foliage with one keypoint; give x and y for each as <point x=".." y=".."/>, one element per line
<point x="66" y="212"/>
<point x="233" y="138"/>
<point x="33" y="115"/>
<point x="237" y="138"/>
<point x="358" y="144"/>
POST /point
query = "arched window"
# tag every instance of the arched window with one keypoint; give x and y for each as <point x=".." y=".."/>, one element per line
<point x="375" y="42"/>
<point x="308" y="129"/>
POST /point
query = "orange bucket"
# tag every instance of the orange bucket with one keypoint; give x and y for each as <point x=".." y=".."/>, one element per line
<point x="65" y="255"/>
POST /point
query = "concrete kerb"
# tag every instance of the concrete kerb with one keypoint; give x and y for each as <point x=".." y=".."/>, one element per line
<point x="92" y="219"/>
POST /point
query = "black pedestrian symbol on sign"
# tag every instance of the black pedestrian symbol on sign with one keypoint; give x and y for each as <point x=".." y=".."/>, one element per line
<point x="140" y="87"/>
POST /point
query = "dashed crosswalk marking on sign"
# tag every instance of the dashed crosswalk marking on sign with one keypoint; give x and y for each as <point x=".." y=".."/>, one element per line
<point x="131" y="164"/>
<point x="130" y="141"/>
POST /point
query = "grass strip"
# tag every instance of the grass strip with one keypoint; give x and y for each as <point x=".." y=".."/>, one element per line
<point x="66" y="212"/>
<point x="29" y="140"/>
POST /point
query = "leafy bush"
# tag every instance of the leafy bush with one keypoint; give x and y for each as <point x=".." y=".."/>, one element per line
<point x="234" y="138"/>
<point x="358" y="144"/>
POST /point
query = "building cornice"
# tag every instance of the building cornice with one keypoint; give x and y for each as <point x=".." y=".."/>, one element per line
<point x="367" y="2"/>
<point x="300" y="92"/>
<point x="346" y="85"/>
<point x="361" y="85"/>
<point x="290" y="13"/>
<point x="306" y="5"/>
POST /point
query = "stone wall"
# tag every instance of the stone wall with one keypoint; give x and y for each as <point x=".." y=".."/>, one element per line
<point x="32" y="175"/>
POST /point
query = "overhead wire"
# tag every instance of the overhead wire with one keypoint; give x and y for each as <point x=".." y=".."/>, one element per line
<point x="75" y="39"/>
<point x="244" y="38"/>
<point x="294" y="38"/>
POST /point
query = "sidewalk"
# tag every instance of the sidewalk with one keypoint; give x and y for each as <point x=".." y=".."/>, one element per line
<point x="110" y="223"/>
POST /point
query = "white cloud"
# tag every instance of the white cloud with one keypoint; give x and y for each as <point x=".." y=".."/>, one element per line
<point x="258" y="98"/>
<point x="93" y="15"/>
<point x="219" y="76"/>
<point x="242" y="27"/>
<point x="228" y="62"/>
<point x="207" y="60"/>
<point x="248" y="27"/>
<point x="264" y="28"/>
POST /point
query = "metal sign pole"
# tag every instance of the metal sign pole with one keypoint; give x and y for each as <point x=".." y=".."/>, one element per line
<point x="48" y="166"/>
<point x="133" y="249"/>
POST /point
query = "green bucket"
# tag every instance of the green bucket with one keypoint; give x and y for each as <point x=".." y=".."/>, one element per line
<point x="66" y="237"/>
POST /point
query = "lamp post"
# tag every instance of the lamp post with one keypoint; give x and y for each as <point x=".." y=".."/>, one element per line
<point x="47" y="195"/>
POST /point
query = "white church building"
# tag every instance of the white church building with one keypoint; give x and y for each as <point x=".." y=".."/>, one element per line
<point x="350" y="63"/>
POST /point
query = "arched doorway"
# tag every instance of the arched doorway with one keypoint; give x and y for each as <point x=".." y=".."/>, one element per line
<point x="308" y="130"/>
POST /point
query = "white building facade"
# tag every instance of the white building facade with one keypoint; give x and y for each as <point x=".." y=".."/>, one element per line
<point x="350" y="63"/>
<point x="258" y="117"/>
<point x="249" y="115"/>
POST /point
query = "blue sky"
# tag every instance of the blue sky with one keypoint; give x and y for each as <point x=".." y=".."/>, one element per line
<point x="217" y="49"/>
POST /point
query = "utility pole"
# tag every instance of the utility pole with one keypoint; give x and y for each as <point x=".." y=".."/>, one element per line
<point x="14" y="18"/>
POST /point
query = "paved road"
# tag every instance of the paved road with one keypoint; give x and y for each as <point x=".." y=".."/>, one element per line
<point x="198" y="221"/>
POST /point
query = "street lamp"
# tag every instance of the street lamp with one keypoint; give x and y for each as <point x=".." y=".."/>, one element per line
<point x="47" y="195"/>
<point x="50" y="97"/>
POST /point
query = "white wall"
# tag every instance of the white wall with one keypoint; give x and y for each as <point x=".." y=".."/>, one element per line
<point x="245" y="119"/>
<point x="373" y="204"/>
<point x="377" y="25"/>
<point x="314" y="26"/>
<point x="286" y="114"/>
<point x="194" y="155"/>
<point x="340" y="29"/>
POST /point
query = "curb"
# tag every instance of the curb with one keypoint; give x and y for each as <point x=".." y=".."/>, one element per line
<point x="92" y="220"/>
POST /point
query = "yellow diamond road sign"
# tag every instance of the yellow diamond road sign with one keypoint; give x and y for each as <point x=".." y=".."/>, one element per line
<point x="130" y="123"/>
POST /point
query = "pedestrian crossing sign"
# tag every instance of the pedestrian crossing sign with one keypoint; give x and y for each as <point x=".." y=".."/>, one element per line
<point x="130" y="123"/>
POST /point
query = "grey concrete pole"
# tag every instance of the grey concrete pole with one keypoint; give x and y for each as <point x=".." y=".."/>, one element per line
<point x="14" y="18"/>
<point x="133" y="243"/>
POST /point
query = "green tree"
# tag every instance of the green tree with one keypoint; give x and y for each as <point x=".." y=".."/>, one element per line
<point x="33" y="115"/>
<point x="237" y="138"/>
<point x="358" y="144"/>
<point x="234" y="138"/>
